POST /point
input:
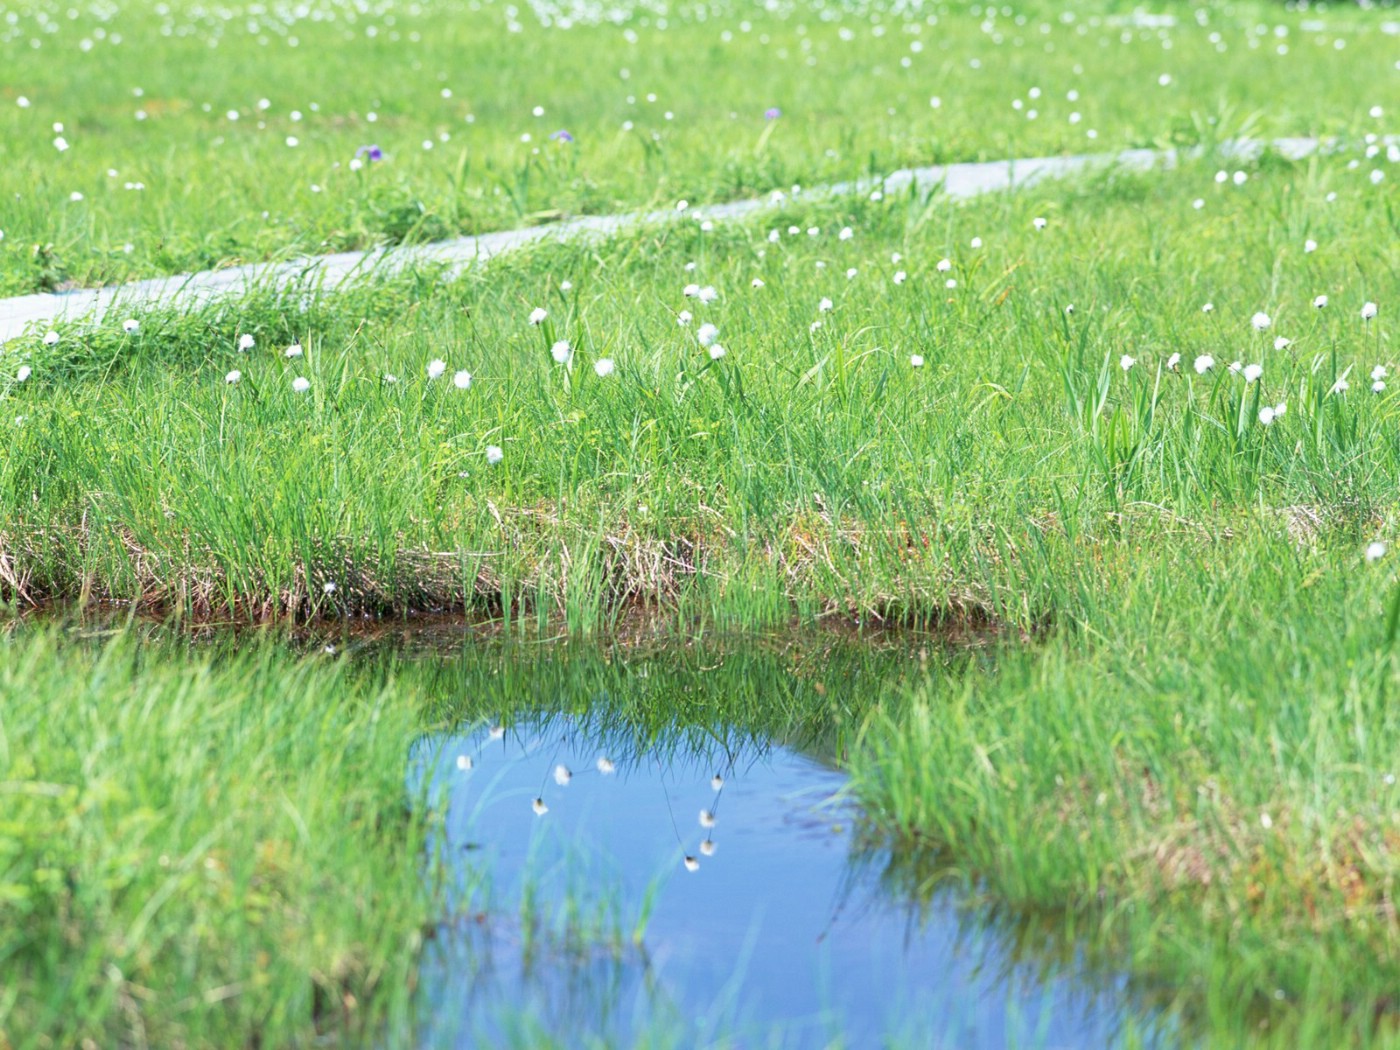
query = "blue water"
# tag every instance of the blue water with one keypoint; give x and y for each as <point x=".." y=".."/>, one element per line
<point x="787" y="933"/>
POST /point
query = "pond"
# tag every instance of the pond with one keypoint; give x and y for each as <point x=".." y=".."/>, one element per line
<point x="699" y="883"/>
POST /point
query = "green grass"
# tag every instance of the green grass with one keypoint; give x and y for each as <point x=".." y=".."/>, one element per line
<point x="1182" y="750"/>
<point x="215" y="191"/>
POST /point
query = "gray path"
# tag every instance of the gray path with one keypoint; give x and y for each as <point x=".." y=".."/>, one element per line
<point x="957" y="181"/>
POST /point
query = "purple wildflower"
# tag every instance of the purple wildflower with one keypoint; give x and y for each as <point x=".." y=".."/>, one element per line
<point x="372" y="152"/>
<point x="562" y="136"/>
<point x="772" y="113"/>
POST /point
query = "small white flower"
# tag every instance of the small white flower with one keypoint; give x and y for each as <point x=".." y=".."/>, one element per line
<point x="707" y="848"/>
<point x="716" y="782"/>
<point x="75" y="196"/>
<point x="1208" y="308"/>
<point x="950" y="283"/>
<point x="707" y="334"/>
<point x="691" y="864"/>
<point x="301" y="384"/>
<point x="1341" y="386"/>
<point x="1282" y="344"/>
<point x="51" y="339"/>
<point x="1236" y="367"/>
<point x="131" y="326"/>
<point x="1173" y="362"/>
<point x="1252" y="372"/>
<point x="683" y="318"/>
<point x="562" y="775"/>
<point x="293" y="351"/>
<point x="1125" y="362"/>
<point x="690" y="291"/>
<point x="1309" y="246"/>
<point x="707" y="819"/>
<point x="1039" y="223"/>
<point x="846" y="233"/>
<point x="1375" y="551"/>
<point x="566" y="286"/>
<point x="944" y="265"/>
<point x="825" y="305"/>
<point x="1266" y="415"/>
<point x="757" y="282"/>
<point x="716" y="352"/>
<point x="1069" y="309"/>
<point x="917" y="360"/>
<point x="1260" y="321"/>
<point x="494" y="454"/>
<point x="328" y="588"/>
<point x="606" y="766"/>
<point x="900" y="277"/>
<point x="561" y="352"/>
<point x="233" y="377"/>
<point x="682" y="205"/>
<point x="462" y="380"/>
<point x="708" y="294"/>
<point x="976" y="242"/>
<point x="61" y="144"/>
<point x="390" y="378"/>
<point x="1204" y="364"/>
<point x="1280" y="409"/>
<point x="1369" y="311"/>
<point x="1378" y="386"/>
<point x="814" y="326"/>
<point x="537" y="315"/>
<point x="1379" y="372"/>
<point x="436" y="367"/>
<point x="774" y="236"/>
<point x="603" y="366"/>
<point x="464" y="762"/>
<point x="1320" y="302"/>
<point x="23" y="373"/>
<point x="539" y="807"/>
<point x="850" y="274"/>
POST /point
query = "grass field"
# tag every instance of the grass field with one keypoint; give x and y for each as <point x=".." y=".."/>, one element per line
<point x="249" y="138"/>
<point x="1136" y="429"/>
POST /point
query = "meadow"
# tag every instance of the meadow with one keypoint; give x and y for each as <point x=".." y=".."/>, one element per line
<point x="1116" y="456"/>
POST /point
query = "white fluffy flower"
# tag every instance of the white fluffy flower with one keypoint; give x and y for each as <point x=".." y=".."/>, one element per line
<point x="707" y="334"/>
<point x="1261" y="321"/>
<point x="1369" y="311"/>
<point x="603" y="366"/>
<point x="494" y="454"/>
<point x="436" y="367"/>
<point x="462" y="380"/>
<point x="538" y="314"/>
<point x="561" y="352"/>
<point x="301" y="384"/>
<point x="1204" y="364"/>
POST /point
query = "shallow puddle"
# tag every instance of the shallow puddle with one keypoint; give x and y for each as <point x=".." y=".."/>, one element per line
<point x="598" y="908"/>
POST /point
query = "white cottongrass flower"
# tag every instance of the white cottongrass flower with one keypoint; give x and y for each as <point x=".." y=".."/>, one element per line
<point x="603" y="366"/>
<point x="51" y="339"/>
<point x="814" y="326"/>
<point x="707" y="334"/>
<point x="916" y="360"/>
<point x="537" y="315"/>
<point x="944" y="265"/>
<point x="561" y="352"/>
<point x="1379" y="372"/>
<point x="233" y="377"/>
<point x="23" y="373"/>
<point x="1320" y="302"/>
<point x="1369" y="311"/>
<point x="246" y="342"/>
<point x="691" y="864"/>
<point x="539" y="807"/>
<point x="131" y="326"/>
<point x="606" y="766"/>
<point x="850" y="274"/>
<point x="1375" y="550"/>
<point x="462" y="380"/>
<point x="436" y="367"/>
<point x="494" y="454"/>
<point x="464" y="762"/>
<point x="757" y="282"/>
<point x="716" y="352"/>
<point x="301" y="384"/>
<point x="562" y="775"/>
<point x="976" y="242"/>
<point x="1266" y="415"/>
<point x="716" y="782"/>
<point x="900" y="277"/>
<point x="1282" y="343"/>
<point x="707" y="847"/>
<point x="707" y="819"/>
<point x="708" y="294"/>
<point x="1173" y="362"/>
<point x="846" y="233"/>
<point x="683" y="318"/>
<point x="1252" y="372"/>
<point x="566" y="286"/>
<point x="328" y="588"/>
<point x="825" y="305"/>
<point x="1309" y="246"/>
<point x="1039" y="223"/>
<point x="1341" y="386"/>
<point x="1280" y="409"/>
<point x="293" y="351"/>
<point x="690" y="291"/>
<point x="389" y="377"/>
<point x="1204" y="364"/>
<point x="1208" y="308"/>
<point x="1261" y="321"/>
<point x="1378" y="386"/>
<point x="1126" y="362"/>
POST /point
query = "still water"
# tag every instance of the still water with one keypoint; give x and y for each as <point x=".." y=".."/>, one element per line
<point x="709" y="888"/>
